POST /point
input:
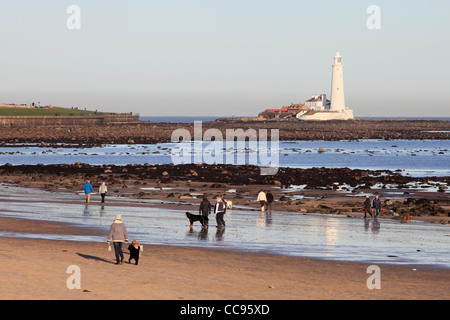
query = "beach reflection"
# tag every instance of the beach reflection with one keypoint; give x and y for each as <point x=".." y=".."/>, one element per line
<point x="102" y="212"/>
<point x="219" y="234"/>
<point x="376" y="226"/>
<point x="87" y="210"/>
<point x="373" y="225"/>
<point x="264" y="220"/>
<point x="332" y="231"/>
<point x="201" y="235"/>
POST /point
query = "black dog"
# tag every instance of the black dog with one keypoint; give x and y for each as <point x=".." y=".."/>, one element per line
<point x="195" y="217"/>
<point x="135" y="251"/>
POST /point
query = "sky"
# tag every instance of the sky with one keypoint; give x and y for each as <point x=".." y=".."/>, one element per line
<point x="225" y="57"/>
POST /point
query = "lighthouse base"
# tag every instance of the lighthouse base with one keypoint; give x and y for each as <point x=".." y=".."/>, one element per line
<point x="346" y="114"/>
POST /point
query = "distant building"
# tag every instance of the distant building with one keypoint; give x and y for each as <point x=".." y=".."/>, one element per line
<point x="318" y="102"/>
<point x="284" y="112"/>
<point x="319" y="109"/>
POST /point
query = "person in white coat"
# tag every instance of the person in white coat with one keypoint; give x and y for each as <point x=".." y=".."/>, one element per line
<point x="103" y="190"/>
<point x="262" y="200"/>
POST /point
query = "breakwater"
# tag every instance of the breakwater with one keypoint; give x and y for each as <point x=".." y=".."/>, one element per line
<point x="89" y="120"/>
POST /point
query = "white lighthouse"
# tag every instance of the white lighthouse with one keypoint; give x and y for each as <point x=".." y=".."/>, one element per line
<point x="337" y="109"/>
<point x="337" y="85"/>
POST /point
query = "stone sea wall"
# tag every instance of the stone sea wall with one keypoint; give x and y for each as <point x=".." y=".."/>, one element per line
<point x="90" y="120"/>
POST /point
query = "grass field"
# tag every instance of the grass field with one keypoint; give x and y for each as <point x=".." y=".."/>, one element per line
<point x="11" y="111"/>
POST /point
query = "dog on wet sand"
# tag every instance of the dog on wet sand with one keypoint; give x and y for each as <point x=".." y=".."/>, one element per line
<point x="195" y="217"/>
<point x="406" y="218"/>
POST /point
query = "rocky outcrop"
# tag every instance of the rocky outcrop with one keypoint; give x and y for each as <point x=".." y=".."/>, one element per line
<point x="149" y="133"/>
<point x="313" y="178"/>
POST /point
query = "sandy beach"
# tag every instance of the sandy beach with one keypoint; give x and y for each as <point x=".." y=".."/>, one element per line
<point x="37" y="269"/>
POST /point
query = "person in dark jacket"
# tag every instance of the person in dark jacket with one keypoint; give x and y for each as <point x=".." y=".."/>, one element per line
<point x="269" y="197"/>
<point x="376" y="205"/>
<point x="205" y="207"/>
<point x="367" y="207"/>
<point x="219" y="209"/>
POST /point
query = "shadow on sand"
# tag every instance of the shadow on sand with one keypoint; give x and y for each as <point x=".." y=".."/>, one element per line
<point x="86" y="256"/>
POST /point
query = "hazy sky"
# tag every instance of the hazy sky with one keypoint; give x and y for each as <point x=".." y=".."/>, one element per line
<point x="227" y="57"/>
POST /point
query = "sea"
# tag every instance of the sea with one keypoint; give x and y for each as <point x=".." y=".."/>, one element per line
<point x="418" y="158"/>
<point x="323" y="236"/>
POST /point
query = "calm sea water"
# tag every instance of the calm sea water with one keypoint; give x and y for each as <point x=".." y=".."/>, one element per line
<point x="412" y="157"/>
<point x="283" y="233"/>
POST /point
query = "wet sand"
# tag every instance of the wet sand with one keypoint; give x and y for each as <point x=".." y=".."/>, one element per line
<point x="37" y="269"/>
<point x="174" y="186"/>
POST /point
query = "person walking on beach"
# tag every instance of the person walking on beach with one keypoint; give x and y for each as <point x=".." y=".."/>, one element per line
<point x="220" y="209"/>
<point x="367" y="207"/>
<point x="118" y="234"/>
<point x="376" y="205"/>
<point x="269" y="197"/>
<point x="205" y="207"/>
<point x="262" y="200"/>
<point x="87" y="190"/>
<point x="103" y="190"/>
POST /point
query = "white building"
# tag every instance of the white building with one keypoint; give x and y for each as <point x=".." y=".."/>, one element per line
<point x="337" y="109"/>
<point x="318" y="102"/>
<point x="337" y="85"/>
